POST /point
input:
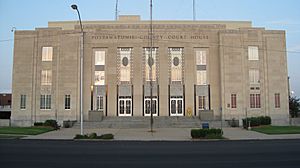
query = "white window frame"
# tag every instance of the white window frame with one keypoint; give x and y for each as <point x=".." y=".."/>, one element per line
<point x="47" y="53"/>
<point x="45" y="103"/>
<point x="202" y="77"/>
<point x="67" y="102"/>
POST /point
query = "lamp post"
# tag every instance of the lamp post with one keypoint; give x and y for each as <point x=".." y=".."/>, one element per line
<point x="74" y="7"/>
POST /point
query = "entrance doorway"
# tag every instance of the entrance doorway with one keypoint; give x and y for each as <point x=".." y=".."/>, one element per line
<point x="147" y="107"/>
<point x="125" y="107"/>
<point x="176" y="106"/>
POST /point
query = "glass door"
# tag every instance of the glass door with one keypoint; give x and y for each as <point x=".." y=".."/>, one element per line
<point x="125" y="105"/>
<point x="147" y="107"/>
<point x="176" y="106"/>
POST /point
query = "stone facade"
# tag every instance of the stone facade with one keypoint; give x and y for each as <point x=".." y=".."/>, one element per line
<point x="227" y="70"/>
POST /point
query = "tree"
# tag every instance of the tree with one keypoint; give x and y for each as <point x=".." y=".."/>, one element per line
<point x="294" y="104"/>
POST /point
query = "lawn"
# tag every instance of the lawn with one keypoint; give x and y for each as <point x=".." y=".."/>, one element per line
<point x="272" y="130"/>
<point x="25" y="130"/>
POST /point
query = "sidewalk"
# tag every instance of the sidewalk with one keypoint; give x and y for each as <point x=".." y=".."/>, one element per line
<point x="160" y="134"/>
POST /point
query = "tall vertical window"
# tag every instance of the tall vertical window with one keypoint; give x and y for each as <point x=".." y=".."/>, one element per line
<point x="254" y="100"/>
<point x="201" y="56"/>
<point x="67" y="102"/>
<point x="23" y="102"/>
<point x="45" y="102"/>
<point x="233" y="100"/>
<point x="99" y="57"/>
<point x="201" y="78"/>
<point x="277" y="100"/>
<point x="99" y="77"/>
<point x="99" y="103"/>
<point x="176" y="55"/>
<point x="125" y="67"/>
<point x="254" y="76"/>
<point x="150" y="62"/>
<point x="253" y="53"/>
<point x="46" y="77"/>
<point x="47" y="53"/>
<point x="201" y="104"/>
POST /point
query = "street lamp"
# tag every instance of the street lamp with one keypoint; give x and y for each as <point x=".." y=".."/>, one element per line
<point x="74" y="7"/>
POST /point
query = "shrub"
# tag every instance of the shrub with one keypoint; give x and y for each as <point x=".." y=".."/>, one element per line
<point x="38" y="124"/>
<point x="51" y="123"/>
<point x="206" y="133"/>
<point x="256" y="121"/>
<point x="106" y="136"/>
<point x="93" y="136"/>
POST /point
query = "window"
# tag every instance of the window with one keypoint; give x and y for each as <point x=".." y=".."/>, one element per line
<point x="201" y="105"/>
<point x="253" y="53"/>
<point x="46" y="77"/>
<point x="201" y="78"/>
<point x="149" y="62"/>
<point x="99" y="77"/>
<point x="277" y="100"/>
<point x="100" y="103"/>
<point x="23" y="102"/>
<point x="200" y="57"/>
<point x="176" y="55"/>
<point x="233" y="100"/>
<point x="254" y="76"/>
<point x="125" y="56"/>
<point x="67" y="102"/>
<point x="47" y="53"/>
<point x="254" y="100"/>
<point x="45" y="102"/>
<point x="99" y="57"/>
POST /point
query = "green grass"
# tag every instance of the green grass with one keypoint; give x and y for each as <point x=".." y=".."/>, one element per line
<point x="4" y="136"/>
<point x="273" y="130"/>
<point x="25" y="130"/>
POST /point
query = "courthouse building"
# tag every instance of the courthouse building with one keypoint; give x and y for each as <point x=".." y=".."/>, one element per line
<point x="211" y="69"/>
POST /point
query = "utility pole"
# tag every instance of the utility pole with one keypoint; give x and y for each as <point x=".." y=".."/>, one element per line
<point x="151" y="62"/>
<point x="194" y="10"/>
<point x="116" y="12"/>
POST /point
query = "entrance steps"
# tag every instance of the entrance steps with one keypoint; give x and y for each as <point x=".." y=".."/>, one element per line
<point x="144" y="122"/>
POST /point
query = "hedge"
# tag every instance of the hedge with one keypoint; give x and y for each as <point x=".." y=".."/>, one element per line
<point x="94" y="136"/>
<point x="204" y="133"/>
<point x="256" y="121"/>
<point x="48" y="123"/>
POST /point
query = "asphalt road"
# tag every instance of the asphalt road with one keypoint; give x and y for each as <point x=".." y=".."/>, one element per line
<point x="204" y="154"/>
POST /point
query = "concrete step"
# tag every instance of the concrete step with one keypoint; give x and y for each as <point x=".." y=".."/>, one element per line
<point x="144" y="122"/>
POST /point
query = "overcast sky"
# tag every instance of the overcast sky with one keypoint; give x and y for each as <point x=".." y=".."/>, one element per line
<point x="29" y="14"/>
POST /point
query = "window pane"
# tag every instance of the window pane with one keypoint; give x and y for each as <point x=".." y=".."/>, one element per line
<point x="47" y="53"/>
<point x="176" y="55"/>
<point x="23" y="102"/>
<point x="67" y="102"/>
<point x="46" y="77"/>
<point x="201" y="78"/>
<point x="125" y="67"/>
<point x="253" y="53"/>
<point x="173" y="106"/>
<point x="179" y="106"/>
<point x="200" y="57"/>
<point x="99" y="77"/>
<point x="99" y="57"/>
<point x="254" y="76"/>
<point x="149" y="62"/>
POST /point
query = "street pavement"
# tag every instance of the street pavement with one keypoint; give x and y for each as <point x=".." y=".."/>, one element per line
<point x="152" y="154"/>
<point x="159" y="134"/>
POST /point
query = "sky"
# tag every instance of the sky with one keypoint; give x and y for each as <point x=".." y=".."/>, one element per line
<point x="30" y="14"/>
